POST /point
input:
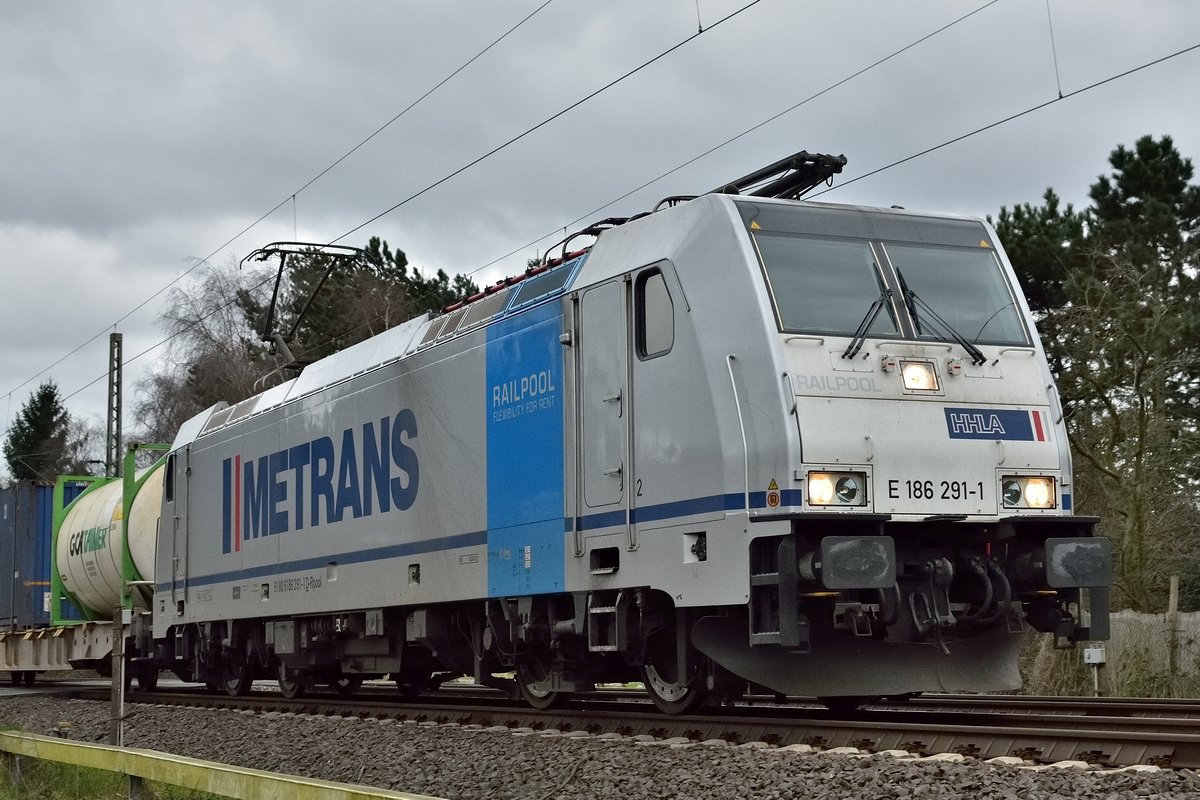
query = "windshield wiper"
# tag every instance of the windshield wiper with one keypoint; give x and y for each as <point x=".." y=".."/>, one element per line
<point x="911" y="299"/>
<point x="860" y="333"/>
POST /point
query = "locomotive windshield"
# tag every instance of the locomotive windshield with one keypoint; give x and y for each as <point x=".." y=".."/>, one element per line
<point x="823" y="285"/>
<point x="964" y="286"/>
<point x="828" y="286"/>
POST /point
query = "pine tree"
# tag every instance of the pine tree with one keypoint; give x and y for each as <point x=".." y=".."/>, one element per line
<point x="1115" y="292"/>
<point x="37" y="441"/>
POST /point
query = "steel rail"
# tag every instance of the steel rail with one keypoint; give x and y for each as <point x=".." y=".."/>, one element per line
<point x="1110" y="741"/>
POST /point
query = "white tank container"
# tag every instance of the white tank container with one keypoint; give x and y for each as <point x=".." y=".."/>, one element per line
<point x="91" y="548"/>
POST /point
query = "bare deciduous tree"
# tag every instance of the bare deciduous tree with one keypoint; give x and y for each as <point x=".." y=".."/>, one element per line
<point x="217" y="322"/>
<point x="212" y="354"/>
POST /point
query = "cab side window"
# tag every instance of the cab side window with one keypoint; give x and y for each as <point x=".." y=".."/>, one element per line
<point x="169" y="479"/>
<point x="654" y="315"/>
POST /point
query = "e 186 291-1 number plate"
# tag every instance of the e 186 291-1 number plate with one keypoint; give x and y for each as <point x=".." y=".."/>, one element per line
<point x="918" y="489"/>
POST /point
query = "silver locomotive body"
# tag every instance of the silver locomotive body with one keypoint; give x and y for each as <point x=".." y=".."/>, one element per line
<point x="741" y="440"/>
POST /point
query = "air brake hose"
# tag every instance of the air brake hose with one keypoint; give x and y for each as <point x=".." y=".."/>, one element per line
<point x="892" y="611"/>
<point x="1002" y="605"/>
<point x="975" y="567"/>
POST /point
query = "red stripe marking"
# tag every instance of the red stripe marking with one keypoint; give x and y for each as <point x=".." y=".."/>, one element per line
<point x="1037" y="425"/>
<point x="237" y="504"/>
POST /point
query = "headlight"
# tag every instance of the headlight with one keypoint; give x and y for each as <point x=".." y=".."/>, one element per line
<point x="919" y="376"/>
<point x="837" y="489"/>
<point x="820" y="489"/>
<point x="1018" y="491"/>
<point x="1039" y="492"/>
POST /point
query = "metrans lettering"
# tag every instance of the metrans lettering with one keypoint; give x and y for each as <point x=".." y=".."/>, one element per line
<point x="326" y="480"/>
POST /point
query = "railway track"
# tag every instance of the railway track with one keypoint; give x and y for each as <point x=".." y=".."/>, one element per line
<point x="1106" y="732"/>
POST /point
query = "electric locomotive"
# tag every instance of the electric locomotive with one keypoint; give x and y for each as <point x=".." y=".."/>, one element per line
<point x="742" y="441"/>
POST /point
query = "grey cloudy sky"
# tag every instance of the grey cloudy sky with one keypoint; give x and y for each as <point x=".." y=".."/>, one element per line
<point x="137" y="136"/>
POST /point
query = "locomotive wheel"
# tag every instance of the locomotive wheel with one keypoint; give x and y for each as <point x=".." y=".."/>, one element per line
<point x="347" y="685"/>
<point x="291" y="683"/>
<point x="531" y="671"/>
<point x="237" y="674"/>
<point x="668" y="695"/>
<point x="291" y="689"/>
<point x="660" y="676"/>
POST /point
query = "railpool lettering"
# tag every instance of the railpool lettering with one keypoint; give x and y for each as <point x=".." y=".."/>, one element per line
<point x="371" y="468"/>
<point x="524" y="388"/>
<point x="526" y="395"/>
<point x="839" y="383"/>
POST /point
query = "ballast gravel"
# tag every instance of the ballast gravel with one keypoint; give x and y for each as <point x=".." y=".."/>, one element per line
<point x="471" y="762"/>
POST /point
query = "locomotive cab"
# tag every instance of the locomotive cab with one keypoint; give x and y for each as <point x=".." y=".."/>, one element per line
<point x="929" y="511"/>
<point x="858" y="418"/>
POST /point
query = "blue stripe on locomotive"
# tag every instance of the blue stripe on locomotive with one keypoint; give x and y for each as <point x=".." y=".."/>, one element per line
<point x="526" y="551"/>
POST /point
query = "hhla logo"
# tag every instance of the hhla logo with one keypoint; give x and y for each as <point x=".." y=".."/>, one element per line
<point x="996" y="423"/>
<point x="975" y="422"/>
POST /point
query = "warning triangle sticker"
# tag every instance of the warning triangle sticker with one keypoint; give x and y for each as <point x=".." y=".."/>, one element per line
<point x="754" y="226"/>
<point x="773" y="487"/>
<point x="983" y="243"/>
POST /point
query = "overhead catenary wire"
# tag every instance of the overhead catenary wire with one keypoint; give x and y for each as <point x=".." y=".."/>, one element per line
<point x="437" y="183"/>
<point x="823" y="91"/>
<point x="292" y="198"/>
<point x="1010" y="118"/>
<point x="411" y="105"/>
<point x="891" y="165"/>
<point x="173" y="336"/>
<point x="701" y="30"/>
<point x="774" y="117"/>
<point x="732" y="139"/>
<point x="896" y="163"/>
<point x="1053" y="49"/>
<point x="547" y="121"/>
<point x="406" y="200"/>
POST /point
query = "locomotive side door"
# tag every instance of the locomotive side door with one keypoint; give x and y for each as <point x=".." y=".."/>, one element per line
<point x="603" y="405"/>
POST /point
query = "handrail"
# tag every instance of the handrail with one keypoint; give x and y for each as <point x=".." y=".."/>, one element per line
<point x="916" y="343"/>
<point x="1059" y="411"/>
<point x="742" y="426"/>
<point x="792" y="394"/>
<point x="240" y="783"/>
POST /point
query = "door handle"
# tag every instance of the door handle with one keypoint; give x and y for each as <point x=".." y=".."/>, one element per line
<point x="614" y="471"/>
<point x="612" y="398"/>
